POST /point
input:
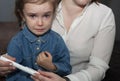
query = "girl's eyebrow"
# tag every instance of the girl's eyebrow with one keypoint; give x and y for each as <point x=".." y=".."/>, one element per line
<point x="47" y="12"/>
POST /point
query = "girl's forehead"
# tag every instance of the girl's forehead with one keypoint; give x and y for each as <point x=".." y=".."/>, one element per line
<point x="43" y="5"/>
<point x="39" y="4"/>
<point x="30" y="7"/>
<point x="38" y="1"/>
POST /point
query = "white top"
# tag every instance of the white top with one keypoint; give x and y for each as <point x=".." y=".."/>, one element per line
<point x="90" y="41"/>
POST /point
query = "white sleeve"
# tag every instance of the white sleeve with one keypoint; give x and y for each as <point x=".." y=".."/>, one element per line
<point x="101" y="53"/>
<point x="97" y="68"/>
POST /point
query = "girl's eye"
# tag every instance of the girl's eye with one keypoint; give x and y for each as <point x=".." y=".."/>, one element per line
<point x="32" y="16"/>
<point x="47" y="15"/>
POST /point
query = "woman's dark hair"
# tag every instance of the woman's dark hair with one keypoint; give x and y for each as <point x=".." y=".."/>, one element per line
<point x="94" y="1"/>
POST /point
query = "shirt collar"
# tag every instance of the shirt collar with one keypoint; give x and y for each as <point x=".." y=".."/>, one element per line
<point x="59" y="10"/>
<point x="59" y="16"/>
<point x="59" y="7"/>
<point x="32" y="38"/>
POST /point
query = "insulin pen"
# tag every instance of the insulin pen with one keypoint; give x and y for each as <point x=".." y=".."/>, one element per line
<point x="21" y="67"/>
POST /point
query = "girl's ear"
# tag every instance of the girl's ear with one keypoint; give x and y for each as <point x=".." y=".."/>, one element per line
<point x="22" y="15"/>
<point x="23" y="20"/>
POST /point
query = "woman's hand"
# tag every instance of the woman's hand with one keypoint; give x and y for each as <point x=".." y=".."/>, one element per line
<point x="6" y="67"/>
<point x="47" y="76"/>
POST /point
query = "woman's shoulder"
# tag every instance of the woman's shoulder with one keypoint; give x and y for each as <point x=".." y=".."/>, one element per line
<point x="99" y="7"/>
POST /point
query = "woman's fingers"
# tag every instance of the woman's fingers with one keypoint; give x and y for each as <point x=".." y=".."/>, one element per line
<point x="34" y="78"/>
<point x="5" y="66"/>
<point x="9" y="57"/>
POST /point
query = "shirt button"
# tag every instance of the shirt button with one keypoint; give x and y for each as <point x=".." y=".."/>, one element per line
<point x="37" y="48"/>
<point x="35" y="63"/>
<point x="38" y="40"/>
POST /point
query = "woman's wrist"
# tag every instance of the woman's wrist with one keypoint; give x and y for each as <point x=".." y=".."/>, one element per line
<point x="66" y="79"/>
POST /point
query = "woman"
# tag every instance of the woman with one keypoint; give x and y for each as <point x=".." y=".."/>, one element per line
<point x="88" y="28"/>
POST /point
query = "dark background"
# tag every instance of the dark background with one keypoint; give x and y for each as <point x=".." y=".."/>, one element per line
<point x="115" y="5"/>
<point x="113" y="74"/>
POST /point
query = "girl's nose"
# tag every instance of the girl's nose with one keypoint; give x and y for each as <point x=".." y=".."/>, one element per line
<point x="40" y="22"/>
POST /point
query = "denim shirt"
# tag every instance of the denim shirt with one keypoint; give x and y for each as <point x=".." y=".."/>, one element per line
<point x="25" y="47"/>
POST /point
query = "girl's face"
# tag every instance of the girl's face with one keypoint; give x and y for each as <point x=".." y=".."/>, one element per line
<point x="38" y="17"/>
<point x="81" y="2"/>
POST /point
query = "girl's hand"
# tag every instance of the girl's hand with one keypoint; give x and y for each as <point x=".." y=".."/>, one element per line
<point x="44" y="60"/>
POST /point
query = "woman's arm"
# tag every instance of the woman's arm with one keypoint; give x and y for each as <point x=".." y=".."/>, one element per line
<point x="101" y="53"/>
